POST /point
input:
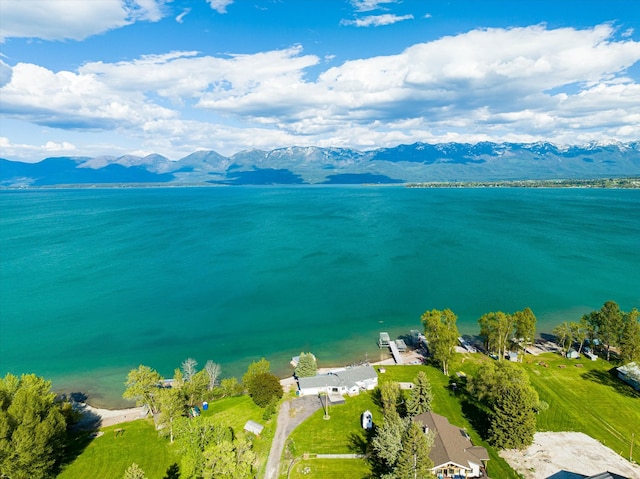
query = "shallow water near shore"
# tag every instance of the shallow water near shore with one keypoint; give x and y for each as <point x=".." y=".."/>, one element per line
<point x="97" y="281"/>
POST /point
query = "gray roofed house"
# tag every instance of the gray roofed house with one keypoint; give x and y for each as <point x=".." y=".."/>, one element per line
<point x="607" y="475"/>
<point x="630" y="374"/>
<point x="453" y="454"/>
<point x="340" y="381"/>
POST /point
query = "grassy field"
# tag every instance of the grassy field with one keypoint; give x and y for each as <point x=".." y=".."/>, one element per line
<point x="334" y="468"/>
<point x="108" y="456"/>
<point x="235" y="412"/>
<point x="588" y="399"/>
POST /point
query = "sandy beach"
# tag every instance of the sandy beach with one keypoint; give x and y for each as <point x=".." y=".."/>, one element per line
<point x="109" y="417"/>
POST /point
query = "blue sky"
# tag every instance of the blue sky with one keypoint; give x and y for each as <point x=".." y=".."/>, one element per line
<point x="115" y="77"/>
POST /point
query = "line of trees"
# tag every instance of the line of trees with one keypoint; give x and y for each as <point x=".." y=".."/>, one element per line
<point x="610" y="327"/>
<point x="399" y="449"/>
<point x="503" y="331"/>
<point x="615" y="328"/>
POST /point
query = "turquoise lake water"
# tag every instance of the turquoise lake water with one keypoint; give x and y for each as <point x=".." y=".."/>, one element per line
<point x="97" y="281"/>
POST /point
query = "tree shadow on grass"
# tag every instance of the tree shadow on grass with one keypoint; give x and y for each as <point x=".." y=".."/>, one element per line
<point x="360" y="443"/>
<point x="610" y="378"/>
<point x="173" y="472"/>
<point x="82" y="427"/>
<point x="477" y="417"/>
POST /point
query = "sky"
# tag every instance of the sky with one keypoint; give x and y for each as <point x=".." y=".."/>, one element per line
<point x="116" y="77"/>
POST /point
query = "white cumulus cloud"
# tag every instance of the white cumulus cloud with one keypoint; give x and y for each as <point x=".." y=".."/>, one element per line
<point x="72" y="19"/>
<point x="518" y="84"/>
<point x="377" y="20"/>
<point x="220" y="6"/>
<point x="369" y="5"/>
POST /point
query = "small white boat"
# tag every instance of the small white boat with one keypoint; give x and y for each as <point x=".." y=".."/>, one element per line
<point x="367" y="420"/>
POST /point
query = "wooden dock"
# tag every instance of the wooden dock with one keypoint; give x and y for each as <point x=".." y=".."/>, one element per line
<point x="395" y="353"/>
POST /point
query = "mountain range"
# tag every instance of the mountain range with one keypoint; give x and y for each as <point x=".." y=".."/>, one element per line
<point x="418" y="162"/>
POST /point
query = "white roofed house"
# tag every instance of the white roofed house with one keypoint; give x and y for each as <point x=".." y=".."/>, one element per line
<point x="340" y="381"/>
<point x="453" y="454"/>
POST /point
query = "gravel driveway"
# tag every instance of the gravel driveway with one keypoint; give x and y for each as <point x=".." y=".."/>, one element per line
<point x="292" y="413"/>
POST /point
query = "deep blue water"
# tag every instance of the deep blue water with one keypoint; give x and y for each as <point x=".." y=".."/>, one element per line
<point x="94" y="282"/>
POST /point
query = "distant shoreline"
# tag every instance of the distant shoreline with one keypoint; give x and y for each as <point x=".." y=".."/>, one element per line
<point x="628" y="182"/>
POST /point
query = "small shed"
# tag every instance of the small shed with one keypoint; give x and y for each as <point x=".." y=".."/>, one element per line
<point x="253" y="427"/>
<point x="572" y="354"/>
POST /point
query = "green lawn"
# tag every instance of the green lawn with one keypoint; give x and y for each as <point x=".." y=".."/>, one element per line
<point x="108" y="456"/>
<point x="342" y="433"/>
<point x="235" y="412"/>
<point x="334" y="468"/>
<point x="586" y="399"/>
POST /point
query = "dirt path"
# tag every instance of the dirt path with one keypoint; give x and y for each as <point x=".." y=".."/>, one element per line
<point x="292" y="413"/>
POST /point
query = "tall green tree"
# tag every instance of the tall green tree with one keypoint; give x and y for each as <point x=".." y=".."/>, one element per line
<point x="142" y="387"/>
<point x="504" y="388"/>
<point x="513" y="419"/>
<point x="441" y="333"/>
<point x="171" y="403"/>
<point x="256" y="367"/>
<point x="307" y="366"/>
<point x="420" y="396"/>
<point x="196" y="387"/>
<point x="229" y="460"/>
<point x="579" y="332"/>
<point x="608" y="325"/>
<point x="497" y="329"/>
<point x="564" y="336"/>
<point x="525" y="327"/>
<point x="630" y="342"/>
<point x="414" y="461"/>
<point x="265" y="388"/>
<point x="32" y="428"/>
<point x="193" y="437"/>
<point x="387" y="443"/>
<point x="390" y="397"/>
<point x="211" y="451"/>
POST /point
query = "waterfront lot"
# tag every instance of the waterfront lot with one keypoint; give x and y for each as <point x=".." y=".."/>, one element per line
<point x="587" y="399"/>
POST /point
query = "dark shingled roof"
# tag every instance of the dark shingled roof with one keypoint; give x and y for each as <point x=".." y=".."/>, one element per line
<point x="607" y="475"/>
<point x="451" y="444"/>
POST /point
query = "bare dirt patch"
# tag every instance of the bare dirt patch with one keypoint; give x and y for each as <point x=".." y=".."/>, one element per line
<point x="565" y="455"/>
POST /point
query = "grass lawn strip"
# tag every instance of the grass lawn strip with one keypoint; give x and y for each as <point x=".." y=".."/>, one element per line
<point x="108" y="456"/>
<point x="335" y="468"/>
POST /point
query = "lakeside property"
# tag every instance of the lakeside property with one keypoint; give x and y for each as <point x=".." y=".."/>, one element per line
<point x="316" y="446"/>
